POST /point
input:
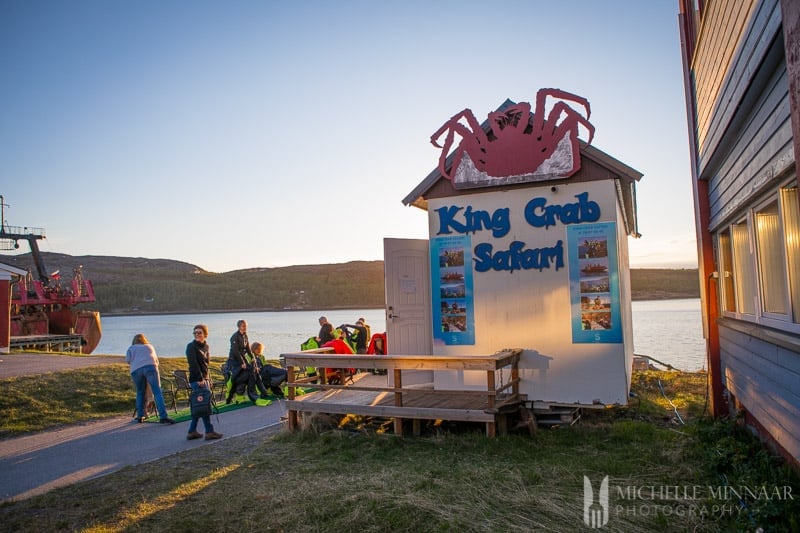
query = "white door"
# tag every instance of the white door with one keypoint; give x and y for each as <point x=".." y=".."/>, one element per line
<point x="408" y="296"/>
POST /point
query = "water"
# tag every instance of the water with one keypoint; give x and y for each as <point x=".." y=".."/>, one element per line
<point x="278" y="331"/>
<point x="669" y="330"/>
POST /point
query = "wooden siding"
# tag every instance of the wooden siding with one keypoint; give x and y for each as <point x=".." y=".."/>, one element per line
<point x="762" y="152"/>
<point x="722" y="28"/>
<point x="763" y="377"/>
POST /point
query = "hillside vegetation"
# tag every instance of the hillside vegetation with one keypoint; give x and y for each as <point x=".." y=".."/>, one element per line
<point x="128" y="284"/>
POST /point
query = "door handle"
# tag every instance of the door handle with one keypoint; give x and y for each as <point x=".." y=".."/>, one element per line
<point x="391" y="313"/>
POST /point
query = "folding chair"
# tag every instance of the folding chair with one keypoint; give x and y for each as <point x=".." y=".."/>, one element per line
<point x="182" y="384"/>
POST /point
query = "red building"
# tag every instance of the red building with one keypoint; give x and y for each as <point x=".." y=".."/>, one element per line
<point x="742" y="79"/>
<point x="7" y="273"/>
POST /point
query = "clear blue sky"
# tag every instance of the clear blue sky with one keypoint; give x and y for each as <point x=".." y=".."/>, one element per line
<point x="245" y="134"/>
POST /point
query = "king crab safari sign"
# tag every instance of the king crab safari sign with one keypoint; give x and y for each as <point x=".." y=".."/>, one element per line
<point x="515" y="145"/>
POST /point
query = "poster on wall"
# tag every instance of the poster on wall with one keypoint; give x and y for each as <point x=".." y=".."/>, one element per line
<point x="451" y="290"/>
<point x="594" y="283"/>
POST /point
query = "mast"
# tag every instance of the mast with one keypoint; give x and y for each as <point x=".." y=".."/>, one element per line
<point x="16" y="234"/>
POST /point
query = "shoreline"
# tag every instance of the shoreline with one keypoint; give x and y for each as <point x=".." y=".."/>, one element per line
<point x="651" y="296"/>
<point x="233" y="311"/>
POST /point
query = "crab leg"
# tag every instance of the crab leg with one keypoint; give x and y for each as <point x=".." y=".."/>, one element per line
<point x="541" y="98"/>
<point x="573" y="118"/>
<point x="475" y="138"/>
<point x="454" y="121"/>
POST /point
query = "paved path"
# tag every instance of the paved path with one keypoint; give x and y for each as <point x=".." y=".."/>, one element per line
<point x="26" y="364"/>
<point x="35" y="464"/>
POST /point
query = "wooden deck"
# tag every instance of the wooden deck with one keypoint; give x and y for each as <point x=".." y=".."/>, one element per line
<point x="371" y="395"/>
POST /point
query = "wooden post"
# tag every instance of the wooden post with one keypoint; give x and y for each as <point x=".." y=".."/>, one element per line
<point x="490" y="400"/>
<point x="515" y="377"/>
<point x="398" y="401"/>
<point x="291" y="414"/>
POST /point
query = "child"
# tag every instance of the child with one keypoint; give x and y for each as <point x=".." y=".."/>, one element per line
<point x="270" y="375"/>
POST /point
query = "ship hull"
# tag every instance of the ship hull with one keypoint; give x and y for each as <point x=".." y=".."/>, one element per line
<point x="62" y="321"/>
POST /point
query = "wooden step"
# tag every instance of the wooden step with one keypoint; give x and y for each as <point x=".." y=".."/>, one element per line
<point x="557" y="416"/>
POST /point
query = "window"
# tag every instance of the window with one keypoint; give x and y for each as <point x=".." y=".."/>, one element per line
<point x="791" y="217"/>
<point x="743" y="271"/>
<point x="726" y="272"/>
<point x="772" y="266"/>
<point x="759" y="263"/>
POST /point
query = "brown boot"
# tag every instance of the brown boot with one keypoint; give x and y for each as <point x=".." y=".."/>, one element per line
<point x="211" y="435"/>
<point x="193" y="435"/>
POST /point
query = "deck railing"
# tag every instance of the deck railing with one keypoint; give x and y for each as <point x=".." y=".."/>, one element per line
<point x="483" y="405"/>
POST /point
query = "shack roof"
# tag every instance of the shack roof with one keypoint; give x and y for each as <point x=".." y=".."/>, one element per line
<point x="7" y="271"/>
<point x="595" y="165"/>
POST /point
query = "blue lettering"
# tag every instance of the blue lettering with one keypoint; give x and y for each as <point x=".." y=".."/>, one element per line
<point x="517" y="257"/>
<point x="538" y="214"/>
<point x="531" y="212"/>
<point x="589" y="209"/>
<point x="501" y="222"/>
<point x="446" y="220"/>
<point x="569" y="214"/>
<point x="483" y="257"/>
<point x="473" y="221"/>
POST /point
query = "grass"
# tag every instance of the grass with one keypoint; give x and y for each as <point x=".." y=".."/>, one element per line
<point x="357" y="475"/>
<point x="44" y="401"/>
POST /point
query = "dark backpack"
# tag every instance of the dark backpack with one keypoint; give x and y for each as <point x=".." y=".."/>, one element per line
<point x="200" y="402"/>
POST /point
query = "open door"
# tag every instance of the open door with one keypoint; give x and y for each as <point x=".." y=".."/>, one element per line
<point x="408" y="301"/>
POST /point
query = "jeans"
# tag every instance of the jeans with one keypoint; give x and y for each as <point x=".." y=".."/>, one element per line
<point x="141" y="377"/>
<point x="206" y="418"/>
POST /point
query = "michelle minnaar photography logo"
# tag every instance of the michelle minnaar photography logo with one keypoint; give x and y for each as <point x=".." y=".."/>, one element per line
<point x="603" y="501"/>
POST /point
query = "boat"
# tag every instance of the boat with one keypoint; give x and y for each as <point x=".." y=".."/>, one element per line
<point x="44" y="306"/>
<point x="594" y="268"/>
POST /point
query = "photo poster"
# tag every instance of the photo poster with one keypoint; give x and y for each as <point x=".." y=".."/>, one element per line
<point x="594" y="283"/>
<point x="451" y="290"/>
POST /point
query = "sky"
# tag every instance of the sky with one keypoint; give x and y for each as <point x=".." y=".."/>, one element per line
<point x="246" y="134"/>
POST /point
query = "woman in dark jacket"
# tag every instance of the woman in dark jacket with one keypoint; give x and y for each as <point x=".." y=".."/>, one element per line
<point x="198" y="355"/>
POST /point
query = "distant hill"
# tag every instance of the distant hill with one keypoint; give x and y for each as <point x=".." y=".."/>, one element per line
<point x="135" y="284"/>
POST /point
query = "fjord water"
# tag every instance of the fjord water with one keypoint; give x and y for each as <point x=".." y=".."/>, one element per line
<point x="668" y="330"/>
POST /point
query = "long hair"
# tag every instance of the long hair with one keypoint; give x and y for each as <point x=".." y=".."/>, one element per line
<point x="139" y="338"/>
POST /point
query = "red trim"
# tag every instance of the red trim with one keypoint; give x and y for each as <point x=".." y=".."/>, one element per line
<point x="5" y="315"/>
<point x="705" y="248"/>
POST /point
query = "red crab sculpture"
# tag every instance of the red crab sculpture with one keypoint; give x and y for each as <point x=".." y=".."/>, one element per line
<point x="519" y="143"/>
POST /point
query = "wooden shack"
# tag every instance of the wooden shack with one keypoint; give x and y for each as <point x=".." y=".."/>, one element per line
<point x="524" y="252"/>
<point x="519" y="299"/>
